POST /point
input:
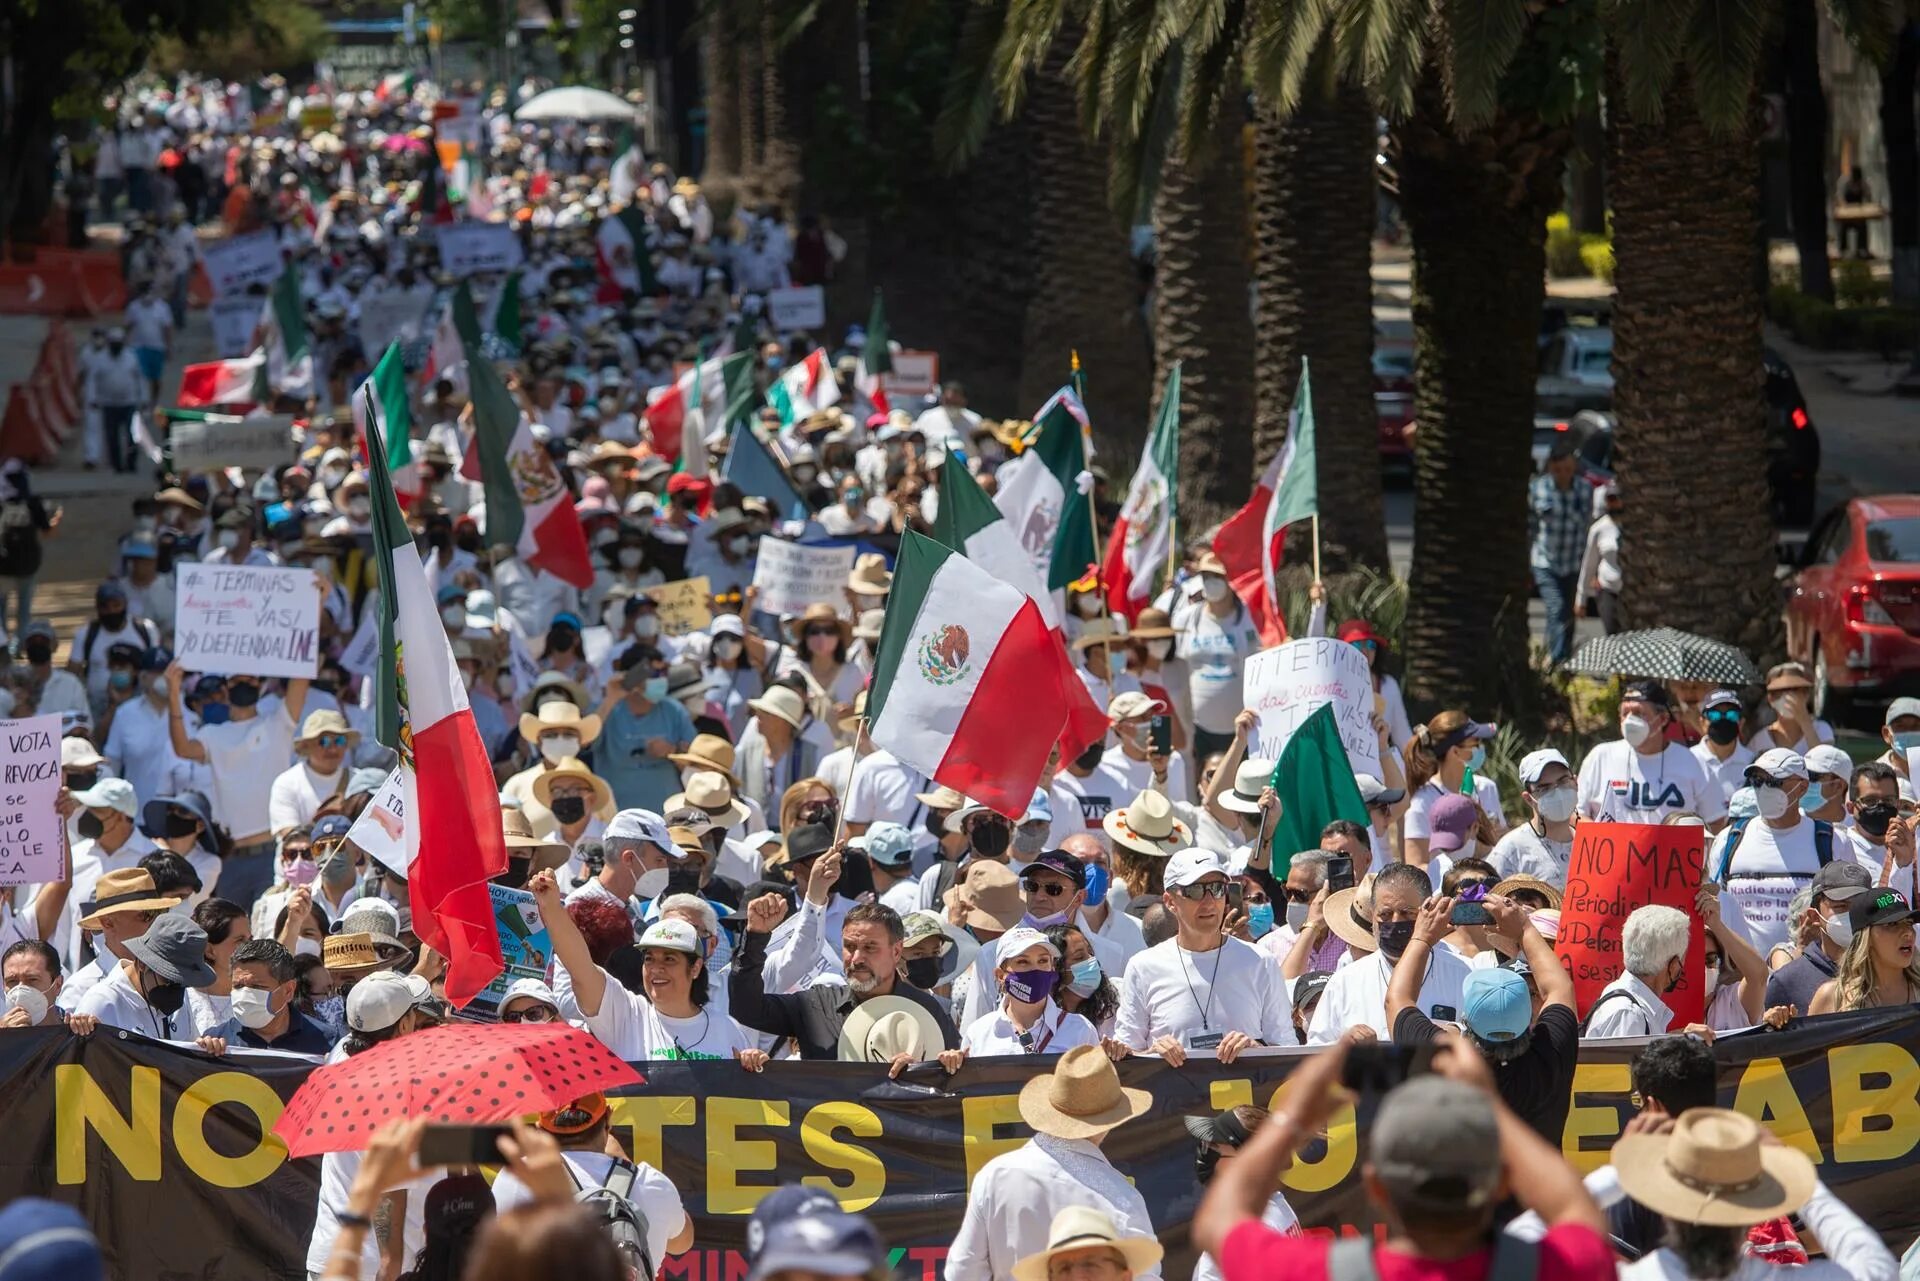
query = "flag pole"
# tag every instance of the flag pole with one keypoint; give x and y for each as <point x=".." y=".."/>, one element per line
<point x="1078" y="382"/>
<point x="1316" y="544"/>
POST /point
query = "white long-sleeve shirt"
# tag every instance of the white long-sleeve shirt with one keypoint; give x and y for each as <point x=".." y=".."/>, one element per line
<point x="1854" y="1251"/>
<point x="1012" y="1201"/>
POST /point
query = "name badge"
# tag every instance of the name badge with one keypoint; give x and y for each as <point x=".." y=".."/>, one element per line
<point x="1204" y="1040"/>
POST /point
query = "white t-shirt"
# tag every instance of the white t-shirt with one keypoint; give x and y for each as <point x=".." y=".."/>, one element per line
<point x="1215" y="651"/>
<point x="149" y="322"/>
<point x="1169" y="991"/>
<point x="1766" y="850"/>
<point x="1056" y="1032"/>
<point x="653" y="1195"/>
<point x="1413" y="824"/>
<point x="1357" y="993"/>
<point x="297" y="794"/>
<point x="1127" y="778"/>
<point x="1278" y="1215"/>
<point x="1729" y="775"/>
<point x="634" y="1030"/>
<point x="1082" y="804"/>
<point x="1762" y="741"/>
<point x="1524" y="851"/>
<point x="337" y="1173"/>
<point x="116" y="1003"/>
<point x="1621" y="785"/>
<point x="883" y="789"/>
<point x="140" y="747"/>
<point x="245" y="757"/>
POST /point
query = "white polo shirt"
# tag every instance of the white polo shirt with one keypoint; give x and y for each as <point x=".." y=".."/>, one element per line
<point x="1056" y="1032"/>
<point x="1357" y="993"/>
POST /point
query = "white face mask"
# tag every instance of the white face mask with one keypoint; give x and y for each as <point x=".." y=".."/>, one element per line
<point x="1087" y="606"/>
<point x="358" y="508"/>
<point x="503" y="684"/>
<point x="651" y="883"/>
<point x="1555" y="806"/>
<point x="1297" y="915"/>
<point x="454" y="616"/>
<point x="647" y="626"/>
<point x="1635" y="730"/>
<point x="24" y="996"/>
<point x="304" y="946"/>
<point x="227" y="539"/>
<point x="253" y="1006"/>
<point x="1771" y="801"/>
<point x="559" y="747"/>
<point x="1160" y="649"/>
<point x="1782" y="707"/>
<point x="726" y="648"/>
<point x="1214" y="588"/>
<point x="1713" y="980"/>
<point x="630" y="557"/>
<point x="1839" y="930"/>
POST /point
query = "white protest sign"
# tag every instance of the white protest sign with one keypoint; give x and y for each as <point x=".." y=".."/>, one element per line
<point x="797" y="307"/>
<point x="389" y="316"/>
<point x="234" y="320"/>
<point x="381" y="829"/>
<point x="1283" y="685"/>
<point x="791" y="577"/>
<point x="258" y="442"/>
<point x="236" y="262"/>
<point x="914" y="373"/>
<point x="246" y="620"/>
<point x="33" y="848"/>
<point x="469" y="247"/>
<point x="520" y="663"/>
<point x="363" y="651"/>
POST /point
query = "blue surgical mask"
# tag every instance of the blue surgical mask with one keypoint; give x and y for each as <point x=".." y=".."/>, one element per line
<point x="1479" y="757"/>
<point x="1812" y="799"/>
<point x="1904" y="743"/>
<point x="655" y="689"/>
<point x="1098" y="882"/>
<point x="1260" y="919"/>
<point x="1085" y="979"/>
<point x="213" y="714"/>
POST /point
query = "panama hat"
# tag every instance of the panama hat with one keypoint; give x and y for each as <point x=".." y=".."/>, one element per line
<point x="1345" y="917"/>
<point x="350" y="955"/>
<point x="886" y="1026"/>
<point x="572" y="767"/>
<point x="820" y="613"/>
<point x="559" y="715"/>
<point x="708" y="752"/>
<point x="1522" y="881"/>
<point x="783" y="703"/>
<point x="1102" y="631"/>
<point x="1085" y="1227"/>
<point x="1153" y="624"/>
<point x="1713" y="1169"/>
<point x="710" y="790"/>
<point x="941" y="798"/>
<point x="870" y="576"/>
<point x="131" y="889"/>
<point x="1249" y="780"/>
<point x="991" y="893"/>
<point x="1148" y="826"/>
<point x="325" y="721"/>
<point x="1082" y="1097"/>
<point x="576" y="693"/>
<point x="517" y="832"/>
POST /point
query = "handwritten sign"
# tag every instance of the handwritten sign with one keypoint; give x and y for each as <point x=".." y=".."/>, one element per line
<point x="685" y="605"/>
<point x="1288" y="682"/>
<point x="791" y="577"/>
<point x="914" y="373"/>
<point x="1617" y="867"/>
<point x="470" y="247"/>
<point x="258" y="442"/>
<point x="234" y="320"/>
<point x="525" y="946"/>
<point x="246" y="620"/>
<point x="236" y="263"/>
<point x="363" y="650"/>
<point x="381" y="829"/>
<point x="797" y="307"/>
<point x="33" y="848"/>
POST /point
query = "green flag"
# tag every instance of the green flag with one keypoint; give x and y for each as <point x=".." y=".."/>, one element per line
<point x="506" y="311"/>
<point x="396" y="418"/>
<point x="495" y="419"/>
<point x="1297" y="496"/>
<point x="1314" y="780"/>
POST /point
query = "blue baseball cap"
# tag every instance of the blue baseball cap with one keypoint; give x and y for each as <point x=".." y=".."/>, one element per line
<point x="1040" y="808"/>
<point x="46" y="1241"/>
<point x="887" y="843"/>
<point x="788" y="1201"/>
<point x="1495" y="1005"/>
<point x="332" y="828"/>
<point x="827" y="1244"/>
<point x="566" y="619"/>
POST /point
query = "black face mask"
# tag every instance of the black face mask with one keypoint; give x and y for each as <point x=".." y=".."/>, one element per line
<point x="178" y="825"/>
<point x="923" y="971"/>
<point x="80" y="781"/>
<point x="91" y="827"/>
<point x="243" y="695"/>
<point x="1204" y="1162"/>
<point x="937" y="823"/>
<point x="1393" y="937"/>
<point x="569" y="809"/>
<point x="856" y="876"/>
<point x="990" y="839"/>
<point x="327" y="686"/>
<point x="518" y="870"/>
<point x="1674" y="982"/>
<point x="167" y="998"/>
<point x="559" y="641"/>
<point x="439" y="539"/>
<point x="1875" y="817"/>
<point x="115" y="621"/>
<point x="1091" y="757"/>
<point x="682" y="880"/>
<point x="39" y="651"/>
<point x="1723" y="732"/>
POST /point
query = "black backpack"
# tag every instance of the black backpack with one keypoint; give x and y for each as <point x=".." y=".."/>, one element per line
<point x="612" y="1207"/>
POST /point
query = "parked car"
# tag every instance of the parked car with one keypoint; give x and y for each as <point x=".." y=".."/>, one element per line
<point x="1853" y="604"/>
<point x="1576" y="372"/>
<point x="1393" y="397"/>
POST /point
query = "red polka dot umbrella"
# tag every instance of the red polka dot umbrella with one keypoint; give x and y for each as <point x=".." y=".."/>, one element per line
<point x="463" y="1074"/>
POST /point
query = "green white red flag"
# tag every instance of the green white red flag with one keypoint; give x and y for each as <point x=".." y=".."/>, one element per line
<point x="876" y="358"/>
<point x="1141" y="544"/>
<point x="806" y="388"/>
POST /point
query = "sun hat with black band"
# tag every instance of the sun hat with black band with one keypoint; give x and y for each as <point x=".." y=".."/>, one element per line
<point x="128" y="889"/>
<point x="1251" y="778"/>
<point x="1345" y="918"/>
<point x="1713" y="1169"/>
<point x="1085" y="1227"/>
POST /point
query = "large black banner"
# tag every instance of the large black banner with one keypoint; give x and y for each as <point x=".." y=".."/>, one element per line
<point x="163" y="1149"/>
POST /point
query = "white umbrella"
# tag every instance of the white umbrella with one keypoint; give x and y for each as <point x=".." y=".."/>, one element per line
<point x="575" y="103"/>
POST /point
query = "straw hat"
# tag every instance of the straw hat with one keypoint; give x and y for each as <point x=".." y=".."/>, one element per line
<point x="885" y="1026"/>
<point x="1083" y="1227"/>
<point x="870" y="576"/>
<point x="821" y="613"/>
<point x="572" y="767"/>
<point x="992" y="895"/>
<point x="868" y="626"/>
<point x="324" y="722"/>
<point x="576" y="693"/>
<point x="350" y="955"/>
<point x="781" y="702"/>
<point x="1148" y="826"/>
<point x="519" y="836"/>
<point x="708" y="752"/>
<point x="1352" y="924"/>
<point x="1082" y="1097"/>
<point x="1522" y="881"/>
<point x="1102" y="631"/>
<point x="1153" y="624"/>
<point x="559" y="715"/>
<point x="846" y="724"/>
<point x="179" y="498"/>
<point x="131" y="889"/>
<point x="1713" y="1169"/>
<point x="941" y="798"/>
<point x="712" y="791"/>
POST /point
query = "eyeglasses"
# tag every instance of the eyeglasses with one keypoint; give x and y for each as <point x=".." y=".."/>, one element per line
<point x="330" y="740"/>
<point x="1723" y="714"/>
<point x="1298" y="896"/>
<point x="1046" y="889"/>
<point x="1209" y="889"/>
<point x="294" y="854"/>
<point x="532" y="1014"/>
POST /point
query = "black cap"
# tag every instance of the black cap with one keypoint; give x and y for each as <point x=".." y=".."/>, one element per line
<point x="125" y="654"/>
<point x="1645" y="692"/>
<point x="808" y="840"/>
<point x="1842" y="881"/>
<point x="1221" y="1127"/>
<point x="1067" y="865"/>
<point x="1884" y="908"/>
<point x="157" y="659"/>
<point x="1309" y="986"/>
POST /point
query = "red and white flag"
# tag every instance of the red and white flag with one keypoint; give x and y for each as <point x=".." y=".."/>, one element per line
<point x="219" y="382"/>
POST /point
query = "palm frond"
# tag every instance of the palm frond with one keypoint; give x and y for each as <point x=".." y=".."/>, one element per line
<point x="1025" y="42"/>
<point x="1481" y="38"/>
<point x="967" y="102"/>
<point x="1283" y="42"/>
<point x="1725" y="42"/>
<point x="1649" y="37"/>
<point x="1139" y="156"/>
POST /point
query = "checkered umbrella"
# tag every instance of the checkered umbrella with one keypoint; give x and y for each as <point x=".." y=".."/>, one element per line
<point x="1664" y="654"/>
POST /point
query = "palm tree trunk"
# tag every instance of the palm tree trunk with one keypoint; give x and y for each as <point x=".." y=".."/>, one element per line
<point x="752" y="120"/>
<point x="719" y="66"/>
<point x="1696" y="544"/>
<point x="780" y="158"/>
<point x="1477" y="205"/>
<point x="1807" y="145"/>
<point x="1313" y="238"/>
<point x="1898" y="129"/>
<point x="1086" y="292"/>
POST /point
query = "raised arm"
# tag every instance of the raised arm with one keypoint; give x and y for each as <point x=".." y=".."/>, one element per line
<point x="747" y="997"/>
<point x="183" y="746"/>
<point x="569" y="944"/>
<point x="1746" y="962"/>
<point x="1403" y="989"/>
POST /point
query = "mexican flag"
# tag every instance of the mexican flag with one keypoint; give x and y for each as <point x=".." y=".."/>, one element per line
<point x="473" y="184"/>
<point x="698" y="399"/>
<point x="389" y="384"/>
<point x="1249" y="541"/>
<point x="1314" y="780"/>
<point x="806" y="388"/>
<point x="969" y="685"/>
<point x="876" y="359"/>
<point x="1140" y="547"/>
<point x="289" y="361"/>
<point x="1045" y="493"/>
<point x="967" y="521"/>
<point x="220" y="382"/>
<point x="528" y="505"/>
<point x="420" y="710"/>
<point x="459" y="327"/>
<point x="626" y="264"/>
<point x="505" y="321"/>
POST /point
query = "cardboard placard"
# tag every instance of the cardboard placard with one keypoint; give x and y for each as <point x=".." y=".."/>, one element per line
<point x="797" y="307"/>
<point x="381" y="829"/>
<point x="257" y="442"/>
<point x="470" y="247"/>
<point x="246" y="620"/>
<point x="33" y="844"/>
<point x="525" y="946"/>
<point x="914" y="373"/>
<point x="685" y="605"/>
<point x="1286" y="683"/>
<point x="1617" y="867"/>
<point x="234" y="319"/>
<point x="791" y="577"/>
<point x="235" y="263"/>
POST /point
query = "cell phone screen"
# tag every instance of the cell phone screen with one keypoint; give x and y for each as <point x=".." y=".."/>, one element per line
<point x="1375" y="1067"/>
<point x="1160" y="735"/>
<point x="1339" y="875"/>
<point x="1470" y="912"/>
<point x="461" y="1144"/>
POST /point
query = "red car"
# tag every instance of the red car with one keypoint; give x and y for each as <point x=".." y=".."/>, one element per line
<point x="1393" y="397"/>
<point x="1853" y="609"/>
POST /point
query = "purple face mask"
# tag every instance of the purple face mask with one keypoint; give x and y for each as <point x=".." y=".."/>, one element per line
<point x="300" y="872"/>
<point x="1031" y="985"/>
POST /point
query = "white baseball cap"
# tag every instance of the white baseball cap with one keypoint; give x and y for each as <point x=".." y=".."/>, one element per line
<point x="1828" y="759"/>
<point x="110" y="794"/>
<point x="641" y="825"/>
<point x="1188" y="866"/>
<point x="380" y="999"/>
<point x="673" y="935"/>
<point x="1019" y="939"/>
<point x="1778" y="763"/>
<point x="1533" y="764"/>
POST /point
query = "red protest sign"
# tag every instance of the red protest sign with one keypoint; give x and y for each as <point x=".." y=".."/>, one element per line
<point x="1617" y="867"/>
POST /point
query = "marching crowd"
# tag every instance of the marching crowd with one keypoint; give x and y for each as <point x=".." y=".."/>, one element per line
<point x="730" y="869"/>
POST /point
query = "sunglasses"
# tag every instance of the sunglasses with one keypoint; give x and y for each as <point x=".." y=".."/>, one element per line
<point x="1723" y="714"/>
<point x="1299" y="896"/>
<point x="823" y="631"/>
<point x="1047" y="889"/>
<point x="532" y="1014"/>
<point x="1365" y="646"/>
<point x="330" y="740"/>
<point x="295" y="854"/>
<point x="1212" y="889"/>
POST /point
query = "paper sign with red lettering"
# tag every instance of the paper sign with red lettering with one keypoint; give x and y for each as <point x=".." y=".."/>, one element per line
<point x="1617" y="867"/>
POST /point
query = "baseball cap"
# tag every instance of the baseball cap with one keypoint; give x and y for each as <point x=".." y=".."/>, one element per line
<point x="673" y="936"/>
<point x="1884" y="908"/>
<point x="382" y="998"/>
<point x="925" y="925"/>
<point x="1131" y="704"/>
<point x="887" y="843"/>
<point x="1495" y="1006"/>
<point x="456" y="1204"/>
<point x="1019" y="939"/>
<point x="1534" y="764"/>
<point x="110" y="794"/>
<point x="1449" y="820"/>
<point x="1187" y="866"/>
<point x="1039" y="809"/>
<point x="110" y="592"/>
<point x="830" y="1244"/>
<point x="1436" y="1145"/>
<point x="1374" y="792"/>
<point x="640" y="825"/>
<point x="78" y="753"/>
<point x="789" y="1201"/>
<point x="1828" y="759"/>
<point x="333" y="827"/>
<point x="578" y="1116"/>
<point x="1060" y="861"/>
<point x="1777" y="764"/>
<point x="156" y="659"/>
<point x="43" y="1240"/>
<point x="1841" y="880"/>
<point x="1899" y="707"/>
<point x="1723" y="698"/>
<point x="1645" y="692"/>
<point x="1308" y="987"/>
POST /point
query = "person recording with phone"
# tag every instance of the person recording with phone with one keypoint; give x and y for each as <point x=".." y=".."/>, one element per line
<point x="1356" y="996"/>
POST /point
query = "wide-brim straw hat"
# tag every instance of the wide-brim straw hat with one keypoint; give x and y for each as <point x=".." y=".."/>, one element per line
<point x="1153" y="624"/>
<point x="1083" y="1227"/>
<point x="325" y="721"/>
<point x="884" y="1026"/>
<point x="350" y="955"/>
<point x="711" y="791"/>
<point x="130" y="889"/>
<point x="572" y="767"/>
<point x="708" y="752"/>
<point x="992" y="896"/>
<point x="1522" y="881"/>
<point x="1148" y="826"/>
<point x="518" y="835"/>
<point x="821" y="613"/>
<point x="1713" y="1169"/>
<point x="559" y="715"/>
<point x="1345" y="917"/>
<point x="1082" y="1097"/>
<point x="783" y="703"/>
<point x="870" y="576"/>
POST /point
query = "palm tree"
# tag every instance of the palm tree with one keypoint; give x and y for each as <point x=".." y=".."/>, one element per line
<point x="719" y="71"/>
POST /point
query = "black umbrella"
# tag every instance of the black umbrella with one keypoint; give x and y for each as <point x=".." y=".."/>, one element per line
<point x="1665" y="654"/>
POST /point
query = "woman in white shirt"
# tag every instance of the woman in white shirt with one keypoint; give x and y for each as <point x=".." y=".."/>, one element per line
<point x="1793" y="726"/>
<point x="1083" y="987"/>
<point x="1026" y="966"/>
<point x="1442" y="752"/>
<point x="832" y="682"/>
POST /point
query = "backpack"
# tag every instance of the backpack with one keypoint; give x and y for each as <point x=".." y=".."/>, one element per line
<point x="1351" y="1259"/>
<point x="611" y="1206"/>
<point x="1822" y="845"/>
